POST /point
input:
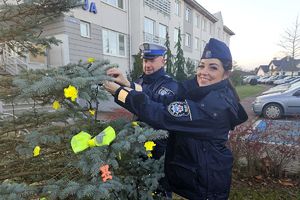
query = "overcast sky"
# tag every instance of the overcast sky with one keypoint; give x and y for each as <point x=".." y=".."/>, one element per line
<point x="258" y="26"/>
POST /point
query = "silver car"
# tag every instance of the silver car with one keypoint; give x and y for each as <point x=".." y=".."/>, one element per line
<point x="276" y="105"/>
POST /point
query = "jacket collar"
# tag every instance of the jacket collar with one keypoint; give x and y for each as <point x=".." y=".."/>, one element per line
<point x="200" y="92"/>
<point x="153" y="77"/>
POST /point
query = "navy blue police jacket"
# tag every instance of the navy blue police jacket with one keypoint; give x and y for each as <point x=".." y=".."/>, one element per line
<point x="158" y="86"/>
<point x="198" y="165"/>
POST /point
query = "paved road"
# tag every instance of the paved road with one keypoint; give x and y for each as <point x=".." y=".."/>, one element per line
<point x="248" y="107"/>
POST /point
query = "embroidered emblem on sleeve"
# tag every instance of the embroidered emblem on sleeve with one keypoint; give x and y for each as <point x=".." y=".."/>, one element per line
<point x="179" y="109"/>
<point x="165" y="91"/>
<point x="122" y="95"/>
<point x="138" y="87"/>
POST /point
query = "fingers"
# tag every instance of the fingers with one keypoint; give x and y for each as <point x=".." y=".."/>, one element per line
<point x="111" y="87"/>
<point x="114" y="72"/>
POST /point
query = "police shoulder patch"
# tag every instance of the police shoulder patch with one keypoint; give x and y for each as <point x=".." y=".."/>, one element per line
<point x="165" y="91"/>
<point x="179" y="109"/>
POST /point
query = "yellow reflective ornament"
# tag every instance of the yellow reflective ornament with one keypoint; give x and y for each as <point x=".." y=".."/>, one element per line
<point x="36" y="151"/>
<point x="92" y="112"/>
<point x="83" y="140"/>
<point x="71" y="92"/>
<point x="91" y="60"/>
<point x="135" y="123"/>
<point x="149" y="155"/>
<point x="149" y="145"/>
<point x="103" y="138"/>
<point x="56" y="105"/>
<point x="79" y="142"/>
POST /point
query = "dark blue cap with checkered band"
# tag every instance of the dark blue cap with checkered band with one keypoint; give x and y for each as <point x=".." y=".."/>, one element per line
<point x="151" y="50"/>
<point x="218" y="49"/>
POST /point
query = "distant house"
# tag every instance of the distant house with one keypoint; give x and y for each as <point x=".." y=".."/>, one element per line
<point x="285" y="66"/>
<point x="262" y="70"/>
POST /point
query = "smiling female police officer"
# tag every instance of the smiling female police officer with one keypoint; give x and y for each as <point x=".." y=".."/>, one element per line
<point x="198" y="165"/>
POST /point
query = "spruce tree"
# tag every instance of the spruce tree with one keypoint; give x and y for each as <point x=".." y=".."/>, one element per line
<point x="22" y="22"/>
<point x="179" y="60"/>
<point x="37" y="160"/>
<point x="190" y="68"/>
<point x="169" y="57"/>
<point x="137" y="69"/>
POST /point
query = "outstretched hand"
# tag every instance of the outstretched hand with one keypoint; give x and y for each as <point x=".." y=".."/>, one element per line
<point x="111" y="87"/>
<point x="118" y="77"/>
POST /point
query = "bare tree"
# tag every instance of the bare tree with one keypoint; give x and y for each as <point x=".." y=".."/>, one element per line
<point x="290" y="41"/>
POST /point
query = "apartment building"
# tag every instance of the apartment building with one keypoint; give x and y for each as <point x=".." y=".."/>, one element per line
<point x="113" y="29"/>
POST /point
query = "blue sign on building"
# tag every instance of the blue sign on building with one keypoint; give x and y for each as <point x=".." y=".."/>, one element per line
<point x="91" y="8"/>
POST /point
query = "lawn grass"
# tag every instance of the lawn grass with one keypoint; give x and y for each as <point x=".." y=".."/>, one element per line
<point x="256" y="193"/>
<point x="249" y="90"/>
<point x="250" y="193"/>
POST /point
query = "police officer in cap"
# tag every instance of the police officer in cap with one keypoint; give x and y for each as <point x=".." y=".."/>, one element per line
<point x="198" y="165"/>
<point x="154" y="82"/>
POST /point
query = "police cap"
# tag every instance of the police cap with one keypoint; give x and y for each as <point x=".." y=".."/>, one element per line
<point x="151" y="50"/>
<point x="218" y="49"/>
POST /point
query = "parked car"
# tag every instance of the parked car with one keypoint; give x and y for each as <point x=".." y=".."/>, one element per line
<point x="271" y="80"/>
<point x="276" y="105"/>
<point x="282" y="87"/>
<point x="261" y="79"/>
<point x="251" y="79"/>
<point x="285" y="80"/>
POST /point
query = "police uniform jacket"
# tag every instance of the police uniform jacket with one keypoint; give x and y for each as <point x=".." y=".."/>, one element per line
<point x="156" y="85"/>
<point x="197" y="164"/>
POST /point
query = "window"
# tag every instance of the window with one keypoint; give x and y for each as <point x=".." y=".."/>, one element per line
<point x="149" y="26"/>
<point x="113" y="43"/>
<point x="116" y="3"/>
<point x="203" y="45"/>
<point x="177" y="8"/>
<point x="162" y="31"/>
<point x="219" y="32"/>
<point x="204" y="24"/>
<point x="176" y="31"/>
<point x="211" y="29"/>
<point x="188" y="13"/>
<point x="187" y="39"/>
<point x="85" y="29"/>
<point x="198" y="21"/>
<point x="197" y="43"/>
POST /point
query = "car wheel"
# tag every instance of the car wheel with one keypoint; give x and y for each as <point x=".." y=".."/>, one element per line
<point x="272" y="111"/>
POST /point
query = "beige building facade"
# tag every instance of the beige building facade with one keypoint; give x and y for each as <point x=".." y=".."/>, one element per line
<point x="113" y="30"/>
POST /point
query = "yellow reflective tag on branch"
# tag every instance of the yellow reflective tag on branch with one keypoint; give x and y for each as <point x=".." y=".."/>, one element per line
<point x="56" y="105"/>
<point x="79" y="142"/>
<point x="133" y="124"/>
<point x="92" y="112"/>
<point x="122" y="95"/>
<point x="36" y="151"/>
<point x="71" y="92"/>
<point x="149" y="145"/>
<point x="91" y="60"/>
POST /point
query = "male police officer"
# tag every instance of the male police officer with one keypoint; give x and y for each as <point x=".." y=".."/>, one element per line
<point x="154" y="81"/>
